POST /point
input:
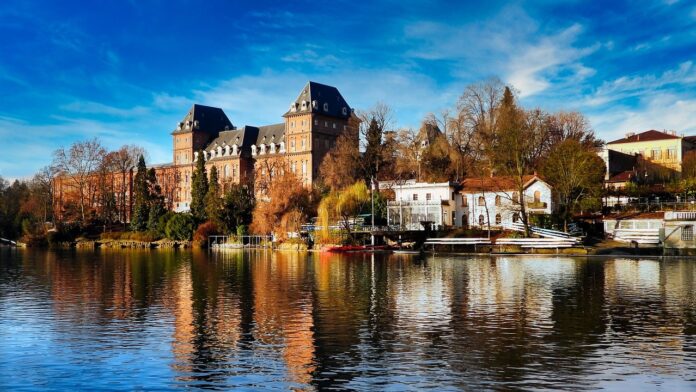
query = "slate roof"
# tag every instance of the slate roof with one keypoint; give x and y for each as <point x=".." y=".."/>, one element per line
<point x="248" y="135"/>
<point x="204" y="118"/>
<point x="314" y="95"/>
<point x="494" y="184"/>
<point x="646" y="136"/>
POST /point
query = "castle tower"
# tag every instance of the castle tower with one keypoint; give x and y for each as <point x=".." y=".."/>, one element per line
<point x="200" y="125"/>
<point x="312" y="124"/>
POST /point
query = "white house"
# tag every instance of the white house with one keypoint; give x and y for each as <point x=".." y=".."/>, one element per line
<point x="496" y="198"/>
<point x="417" y="202"/>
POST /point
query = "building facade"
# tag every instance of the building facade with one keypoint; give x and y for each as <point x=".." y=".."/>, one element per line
<point x="495" y="199"/>
<point x="247" y="154"/>
<point x="416" y="202"/>
<point x="658" y="155"/>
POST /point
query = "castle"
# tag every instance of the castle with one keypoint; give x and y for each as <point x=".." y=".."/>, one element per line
<point x="295" y="146"/>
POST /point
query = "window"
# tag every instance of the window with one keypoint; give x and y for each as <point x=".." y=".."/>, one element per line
<point x="326" y="107"/>
<point x="481" y="201"/>
<point x="497" y="201"/>
<point x="227" y="171"/>
<point x="292" y="145"/>
<point x="656" y="153"/>
<point x="302" y="143"/>
<point x="316" y="122"/>
<point x="334" y="125"/>
<point x="515" y="217"/>
<point x="481" y="220"/>
<point x="304" y="168"/>
<point x="671" y="154"/>
<point x="465" y="201"/>
<point x="428" y="196"/>
<point x="687" y="233"/>
<point x="515" y="197"/>
<point x="326" y="124"/>
<point x="537" y="196"/>
<point x="498" y="219"/>
<point x="415" y="197"/>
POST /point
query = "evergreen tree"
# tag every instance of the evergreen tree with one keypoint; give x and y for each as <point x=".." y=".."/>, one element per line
<point x="373" y="149"/>
<point x="237" y="207"/>
<point x="213" y="202"/>
<point x="199" y="189"/>
<point x="141" y="210"/>
<point x="157" y="208"/>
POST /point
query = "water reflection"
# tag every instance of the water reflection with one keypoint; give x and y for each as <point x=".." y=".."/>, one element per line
<point x="264" y="320"/>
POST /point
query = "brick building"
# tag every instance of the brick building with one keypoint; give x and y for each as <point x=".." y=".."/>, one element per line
<point x="297" y="145"/>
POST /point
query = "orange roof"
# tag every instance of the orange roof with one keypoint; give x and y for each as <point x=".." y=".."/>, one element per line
<point x="497" y="183"/>
<point x="646" y="136"/>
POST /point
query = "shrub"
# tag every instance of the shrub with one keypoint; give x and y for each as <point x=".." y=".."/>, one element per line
<point x="204" y="231"/>
<point x="179" y="227"/>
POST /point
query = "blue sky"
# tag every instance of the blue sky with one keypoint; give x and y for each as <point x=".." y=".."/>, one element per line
<point x="127" y="72"/>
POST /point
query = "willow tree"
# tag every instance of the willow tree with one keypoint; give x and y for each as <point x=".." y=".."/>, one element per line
<point x="342" y="207"/>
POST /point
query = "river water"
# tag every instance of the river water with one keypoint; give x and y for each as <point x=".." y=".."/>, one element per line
<point x="159" y="320"/>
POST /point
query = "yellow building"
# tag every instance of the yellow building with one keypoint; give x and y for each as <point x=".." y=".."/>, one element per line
<point x="661" y="152"/>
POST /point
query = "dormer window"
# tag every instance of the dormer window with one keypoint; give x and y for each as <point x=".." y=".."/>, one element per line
<point x="282" y="147"/>
<point x="273" y="148"/>
<point x="219" y="151"/>
<point x="345" y="111"/>
<point x="315" y="104"/>
<point x="205" y="155"/>
<point x="253" y="149"/>
<point x="234" y="149"/>
<point x="304" y="105"/>
<point x="195" y="156"/>
<point x="227" y="150"/>
<point x="263" y="149"/>
<point x="212" y="153"/>
<point x="195" y="124"/>
<point x="326" y="107"/>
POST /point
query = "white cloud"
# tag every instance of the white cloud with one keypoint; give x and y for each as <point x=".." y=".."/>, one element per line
<point x="641" y="85"/>
<point x="658" y="111"/>
<point x="510" y="44"/>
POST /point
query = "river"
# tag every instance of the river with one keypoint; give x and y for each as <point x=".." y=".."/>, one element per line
<point x="262" y="320"/>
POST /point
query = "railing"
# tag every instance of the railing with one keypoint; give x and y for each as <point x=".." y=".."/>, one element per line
<point x="407" y="203"/>
<point x="680" y="215"/>
<point x="239" y="242"/>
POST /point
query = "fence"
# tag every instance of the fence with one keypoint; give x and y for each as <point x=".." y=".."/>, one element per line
<point x="239" y="242"/>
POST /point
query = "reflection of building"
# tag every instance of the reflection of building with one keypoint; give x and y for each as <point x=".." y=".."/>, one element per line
<point x="661" y="153"/>
<point x="496" y="199"/>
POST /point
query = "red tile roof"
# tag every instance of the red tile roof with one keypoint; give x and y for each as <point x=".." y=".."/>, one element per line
<point x="497" y="183"/>
<point x="646" y="136"/>
<point x="623" y="176"/>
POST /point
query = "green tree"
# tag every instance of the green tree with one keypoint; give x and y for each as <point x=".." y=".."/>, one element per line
<point x="213" y="201"/>
<point x="577" y="176"/>
<point x="372" y="158"/>
<point x="141" y="209"/>
<point x="180" y="227"/>
<point x="237" y="207"/>
<point x="199" y="189"/>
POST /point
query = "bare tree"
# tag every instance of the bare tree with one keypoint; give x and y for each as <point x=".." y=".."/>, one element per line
<point x="42" y="187"/>
<point x="125" y="159"/>
<point x="78" y="164"/>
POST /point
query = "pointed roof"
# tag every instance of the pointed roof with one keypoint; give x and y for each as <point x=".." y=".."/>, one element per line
<point x="647" y="136"/>
<point x="204" y="118"/>
<point x="322" y="99"/>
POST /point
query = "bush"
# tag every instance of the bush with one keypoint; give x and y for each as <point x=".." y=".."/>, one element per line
<point x="180" y="227"/>
<point x="204" y="231"/>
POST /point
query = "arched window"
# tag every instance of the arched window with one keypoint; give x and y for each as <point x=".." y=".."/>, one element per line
<point x="515" y="197"/>
<point x="481" y="201"/>
<point x="537" y="196"/>
<point x="498" y="219"/>
<point x="226" y="172"/>
<point x="497" y="201"/>
<point x="481" y="220"/>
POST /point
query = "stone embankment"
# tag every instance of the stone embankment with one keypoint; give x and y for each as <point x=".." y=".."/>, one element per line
<point x="127" y="244"/>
